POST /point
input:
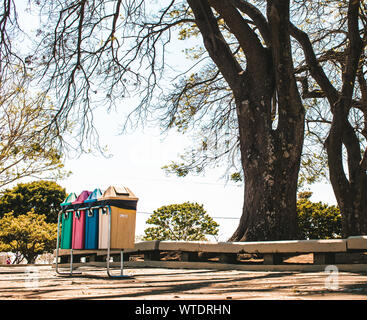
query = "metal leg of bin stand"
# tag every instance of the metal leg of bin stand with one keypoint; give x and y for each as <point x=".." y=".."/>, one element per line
<point x="109" y="249"/>
<point x="57" y="252"/>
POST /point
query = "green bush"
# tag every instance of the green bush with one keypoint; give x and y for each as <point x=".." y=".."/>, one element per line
<point x="27" y="235"/>
<point x="186" y="221"/>
<point x="317" y="220"/>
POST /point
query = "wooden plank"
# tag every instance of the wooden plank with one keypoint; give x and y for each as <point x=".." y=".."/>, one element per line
<point x="245" y="267"/>
<point x="357" y="243"/>
<point x="193" y="246"/>
<point x="293" y="246"/>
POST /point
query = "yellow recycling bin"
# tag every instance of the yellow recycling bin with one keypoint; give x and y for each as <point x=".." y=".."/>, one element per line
<point x="121" y="227"/>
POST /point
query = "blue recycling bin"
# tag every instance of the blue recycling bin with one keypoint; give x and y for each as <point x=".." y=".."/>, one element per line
<point x="92" y="221"/>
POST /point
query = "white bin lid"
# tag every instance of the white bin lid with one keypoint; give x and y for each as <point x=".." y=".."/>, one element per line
<point x="118" y="193"/>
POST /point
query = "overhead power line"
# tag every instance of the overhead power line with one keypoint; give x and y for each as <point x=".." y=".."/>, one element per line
<point x="143" y="212"/>
<point x="226" y="184"/>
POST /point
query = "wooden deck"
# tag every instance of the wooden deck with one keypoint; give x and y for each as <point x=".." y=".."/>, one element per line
<point x="255" y="255"/>
<point x="177" y="284"/>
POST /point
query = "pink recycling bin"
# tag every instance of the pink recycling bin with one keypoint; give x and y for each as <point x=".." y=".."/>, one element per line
<point x="78" y="237"/>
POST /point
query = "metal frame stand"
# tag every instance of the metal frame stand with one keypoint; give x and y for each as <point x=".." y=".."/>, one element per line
<point x="57" y="251"/>
<point x="71" y="273"/>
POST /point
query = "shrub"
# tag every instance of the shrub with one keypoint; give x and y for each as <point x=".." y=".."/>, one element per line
<point x="186" y="221"/>
<point x="27" y="235"/>
<point x="317" y="220"/>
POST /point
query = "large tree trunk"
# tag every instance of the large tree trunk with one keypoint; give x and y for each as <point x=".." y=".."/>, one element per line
<point x="270" y="151"/>
<point x="271" y="161"/>
<point x="269" y="212"/>
<point x="354" y="210"/>
<point x="271" y="156"/>
<point x="350" y="191"/>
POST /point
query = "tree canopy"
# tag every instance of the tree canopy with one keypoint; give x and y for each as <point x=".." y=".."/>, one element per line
<point x="44" y="197"/>
<point x="27" y="145"/>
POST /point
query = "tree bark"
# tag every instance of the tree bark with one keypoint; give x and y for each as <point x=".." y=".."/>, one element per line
<point x="349" y="189"/>
<point x="269" y="211"/>
<point x="270" y="151"/>
<point x="32" y="259"/>
<point x="350" y="192"/>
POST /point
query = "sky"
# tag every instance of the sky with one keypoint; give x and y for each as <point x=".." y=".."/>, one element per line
<point x="136" y="163"/>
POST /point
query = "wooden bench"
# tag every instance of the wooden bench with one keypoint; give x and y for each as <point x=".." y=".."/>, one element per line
<point x="357" y="243"/>
<point x="273" y="252"/>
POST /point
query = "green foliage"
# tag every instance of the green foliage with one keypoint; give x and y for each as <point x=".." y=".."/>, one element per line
<point x="317" y="220"/>
<point x="28" y="142"/>
<point x="179" y="169"/>
<point x="186" y="221"/>
<point x="27" y="235"/>
<point x="44" y="197"/>
<point x="236" y="177"/>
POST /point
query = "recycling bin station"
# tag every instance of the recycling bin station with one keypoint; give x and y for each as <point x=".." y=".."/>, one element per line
<point x="100" y="221"/>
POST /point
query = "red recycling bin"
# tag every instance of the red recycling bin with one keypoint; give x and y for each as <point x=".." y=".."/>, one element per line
<point x="78" y="237"/>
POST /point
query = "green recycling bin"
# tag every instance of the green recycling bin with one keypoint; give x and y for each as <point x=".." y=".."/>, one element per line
<point x="67" y="223"/>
